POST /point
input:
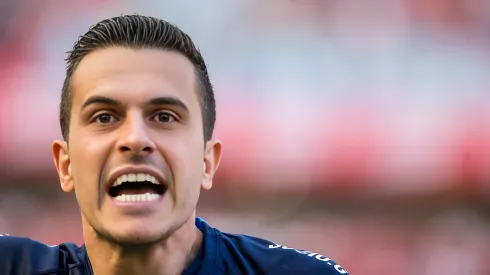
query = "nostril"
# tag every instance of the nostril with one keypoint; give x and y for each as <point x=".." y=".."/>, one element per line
<point x="125" y="148"/>
<point x="129" y="149"/>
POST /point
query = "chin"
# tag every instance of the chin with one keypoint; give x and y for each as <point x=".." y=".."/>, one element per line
<point x="134" y="236"/>
<point x="136" y="240"/>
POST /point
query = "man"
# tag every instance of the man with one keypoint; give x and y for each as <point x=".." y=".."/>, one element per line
<point x="137" y="114"/>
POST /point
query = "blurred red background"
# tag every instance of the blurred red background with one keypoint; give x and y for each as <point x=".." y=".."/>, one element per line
<point x="360" y="131"/>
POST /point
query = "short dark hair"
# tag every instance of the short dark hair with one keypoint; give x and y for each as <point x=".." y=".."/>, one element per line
<point x="139" y="32"/>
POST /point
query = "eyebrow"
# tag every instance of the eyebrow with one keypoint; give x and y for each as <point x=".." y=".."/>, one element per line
<point x="169" y="101"/>
<point x="100" y="100"/>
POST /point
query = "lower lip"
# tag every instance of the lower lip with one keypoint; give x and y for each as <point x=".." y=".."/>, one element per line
<point x="136" y="204"/>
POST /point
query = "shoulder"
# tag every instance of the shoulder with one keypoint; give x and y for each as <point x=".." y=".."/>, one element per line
<point x="265" y="257"/>
<point x="22" y="255"/>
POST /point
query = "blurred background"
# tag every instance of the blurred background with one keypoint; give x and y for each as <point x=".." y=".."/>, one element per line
<point x="356" y="129"/>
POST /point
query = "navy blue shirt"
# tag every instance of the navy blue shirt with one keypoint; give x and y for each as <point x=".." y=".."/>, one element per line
<point x="220" y="254"/>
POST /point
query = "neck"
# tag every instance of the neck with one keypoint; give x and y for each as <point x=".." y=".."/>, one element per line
<point x="169" y="257"/>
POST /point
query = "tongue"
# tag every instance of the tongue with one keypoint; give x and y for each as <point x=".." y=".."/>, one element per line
<point x="139" y="191"/>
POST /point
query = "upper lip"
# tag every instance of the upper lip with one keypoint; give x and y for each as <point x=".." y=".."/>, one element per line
<point x="134" y="170"/>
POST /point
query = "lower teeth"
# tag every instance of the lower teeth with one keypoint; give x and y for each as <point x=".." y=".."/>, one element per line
<point x="137" y="197"/>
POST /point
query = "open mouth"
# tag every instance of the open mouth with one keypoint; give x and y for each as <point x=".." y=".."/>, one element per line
<point x="136" y="188"/>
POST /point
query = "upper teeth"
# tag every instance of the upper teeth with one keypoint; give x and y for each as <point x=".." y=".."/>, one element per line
<point x="140" y="177"/>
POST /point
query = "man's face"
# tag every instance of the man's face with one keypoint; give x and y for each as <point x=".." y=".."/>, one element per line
<point x="136" y="157"/>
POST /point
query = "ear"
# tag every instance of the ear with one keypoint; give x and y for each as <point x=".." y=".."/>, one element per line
<point x="212" y="157"/>
<point x="63" y="165"/>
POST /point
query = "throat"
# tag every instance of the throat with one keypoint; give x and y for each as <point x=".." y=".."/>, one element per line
<point x="172" y="255"/>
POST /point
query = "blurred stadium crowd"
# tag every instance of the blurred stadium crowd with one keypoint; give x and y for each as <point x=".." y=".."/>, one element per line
<point x="356" y="129"/>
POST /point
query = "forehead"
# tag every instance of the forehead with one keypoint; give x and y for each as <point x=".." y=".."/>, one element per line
<point x="125" y="73"/>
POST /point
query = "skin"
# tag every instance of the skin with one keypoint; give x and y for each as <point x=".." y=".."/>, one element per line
<point x="114" y="125"/>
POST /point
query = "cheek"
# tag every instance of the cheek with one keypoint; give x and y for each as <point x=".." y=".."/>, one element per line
<point x="185" y="161"/>
<point x="86" y="161"/>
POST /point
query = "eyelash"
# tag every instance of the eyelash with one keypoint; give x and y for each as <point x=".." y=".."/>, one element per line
<point x="97" y="117"/>
<point x="172" y="116"/>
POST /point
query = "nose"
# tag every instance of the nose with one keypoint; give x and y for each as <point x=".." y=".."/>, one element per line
<point x="134" y="137"/>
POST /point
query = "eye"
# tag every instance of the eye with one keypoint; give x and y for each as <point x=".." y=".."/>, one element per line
<point x="104" y="118"/>
<point x="164" y="117"/>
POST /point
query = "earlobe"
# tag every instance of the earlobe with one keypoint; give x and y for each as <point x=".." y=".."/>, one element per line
<point x="63" y="165"/>
<point x="212" y="158"/>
